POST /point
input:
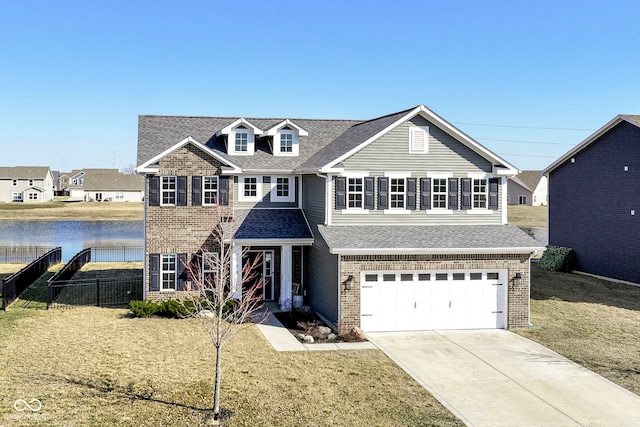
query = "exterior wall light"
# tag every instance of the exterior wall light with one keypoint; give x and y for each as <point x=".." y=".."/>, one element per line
<point x="348" y="284"/>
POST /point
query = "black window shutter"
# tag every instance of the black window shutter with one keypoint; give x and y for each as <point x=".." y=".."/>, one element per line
<point x="453" y="193"/>
<point x="494" y="185"/>
<point x="154" y="191"/>
<point x="182" y="191"/>
<point x="341" y="192"/>
<point x="383" y="193"/>
<point x="223" y="190"/>
<point x="411" y="193"/>
<point x="369" y="192"/>
<point x="181" y="272"/>
<point x="196" y="190"/>
<point x="154" y="272"/>
<point x="425" y="193"/>
<point x="466" y="193"/>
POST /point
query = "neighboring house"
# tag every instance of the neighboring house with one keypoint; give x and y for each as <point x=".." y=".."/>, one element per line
<point x="113" y="186"/>
<point x="527" y="188"/>
<point x="594" y="200"/>
<point x="394" y="223"/>
<point x="70" y="183"/>
<point x="26" y="184"/>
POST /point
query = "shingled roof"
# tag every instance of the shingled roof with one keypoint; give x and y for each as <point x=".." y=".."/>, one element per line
<point x="397" y="239"/>
<point x="528" y="179"/>
<point x="23" y="172"/>
<point x="112" y="181"/>
<point x="271" y="224"/>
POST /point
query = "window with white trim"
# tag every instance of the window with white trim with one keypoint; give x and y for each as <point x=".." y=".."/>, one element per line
<point x="33" y="196"/>
<point x="168" y="190"/>
<point x="241" y="142"/>
<point x="480" y="193"/>
<point x="168" y="272"/>
<point x="210" y="266"/>
<point x="439" y="193"/>
<point x="286" y="141"/>
<point x="209" y="190"/>
<point x="30" y="182"/>
<point x="250" y="188"/>
<point x="355" y="191"/>
<point x="522" y="200"/>
<point x="396" y="193"/>
<point x="16" y="197"/>
<point x="119" y="195"/>
<point x="282" y="189"/>
<point x="14" y="182"/>
<point x="419" y="139"/>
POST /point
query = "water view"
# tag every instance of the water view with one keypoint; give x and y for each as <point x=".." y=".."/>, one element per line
<point x="72" y="236"/>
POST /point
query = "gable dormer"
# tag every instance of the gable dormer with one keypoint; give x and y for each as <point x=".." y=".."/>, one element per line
<point x="285" y="139"/>
<point x="240" y="137"/>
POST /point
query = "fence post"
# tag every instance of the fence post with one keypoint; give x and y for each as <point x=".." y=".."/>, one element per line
<point x="4" y="293"/>
<point x="98" y="292"/>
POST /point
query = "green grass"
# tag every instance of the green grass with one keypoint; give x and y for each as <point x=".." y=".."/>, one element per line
<point x="591" y="321"/>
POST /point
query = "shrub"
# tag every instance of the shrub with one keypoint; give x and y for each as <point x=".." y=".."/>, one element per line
<point x="144" y="308"/>
<point x="557" y="258"/>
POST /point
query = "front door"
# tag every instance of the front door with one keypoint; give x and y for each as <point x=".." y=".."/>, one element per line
<point x="262" y="272"/>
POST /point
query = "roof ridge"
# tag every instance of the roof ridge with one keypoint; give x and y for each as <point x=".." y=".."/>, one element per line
<point x="252" y="118"/>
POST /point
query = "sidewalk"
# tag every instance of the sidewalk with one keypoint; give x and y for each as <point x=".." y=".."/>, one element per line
<point x="282" y="340"/>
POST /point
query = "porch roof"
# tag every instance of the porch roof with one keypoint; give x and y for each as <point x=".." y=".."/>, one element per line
<point x="272" y="225"/>
<point x="427" y="239"/>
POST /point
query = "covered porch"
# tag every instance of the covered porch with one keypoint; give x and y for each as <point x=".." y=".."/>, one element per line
<point x="272" y="242"/>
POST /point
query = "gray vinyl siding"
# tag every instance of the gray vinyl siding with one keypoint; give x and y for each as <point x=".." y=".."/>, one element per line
<point x="320" y="266"/>
<point x="515" y="190"/>
<point x="265" y="202"/>
<point x="390" y="153"/>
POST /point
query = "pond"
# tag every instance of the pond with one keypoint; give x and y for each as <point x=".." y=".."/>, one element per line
<point x="72" y="236"/>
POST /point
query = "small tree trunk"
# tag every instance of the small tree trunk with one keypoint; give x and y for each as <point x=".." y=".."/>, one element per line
<point x="216" y="386"/>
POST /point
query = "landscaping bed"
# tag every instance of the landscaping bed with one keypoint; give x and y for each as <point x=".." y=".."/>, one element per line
<point x="305" y="323"/>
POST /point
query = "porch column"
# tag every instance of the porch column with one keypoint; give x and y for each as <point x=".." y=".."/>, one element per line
<point x="236" y="272"/>
<point x="286" y="274"/>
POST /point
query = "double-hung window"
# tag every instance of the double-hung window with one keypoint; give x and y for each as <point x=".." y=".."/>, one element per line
<point x="31" y="183"/>
<point x="282" y="189"/>
<point x="439" y="193"/>
<point x="209" y="190"/>
<point x="168" y="272"/>
<point x="241" y="141"/>
<point x="119" y="195"/>
<point x="355" y="191"/>
<point x="480" y="194"/>
<point x="286" y="142"/>
<point x="33" y="196"/>
<point x="250" y="188"/>
<point x="210" y="267"/>
<point x="168" y="190"/>
<point x="396" y="193"/>
<point x="14" y="182"/>
<point x="17" y="197"/>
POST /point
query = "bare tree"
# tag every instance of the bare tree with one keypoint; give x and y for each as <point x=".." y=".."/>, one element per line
<point x="222" y="304"/>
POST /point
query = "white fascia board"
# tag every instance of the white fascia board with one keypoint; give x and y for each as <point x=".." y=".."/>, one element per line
<point x="268" y="171"/>
<point x="597" y="134"/>
<point x="148" y="168"/>
<point x="273" y="242"/>
<point x="227" y="129"/>
<point x="328" y="167"/>
<point x="434" y="251"/>
<point x="274" y="129"/>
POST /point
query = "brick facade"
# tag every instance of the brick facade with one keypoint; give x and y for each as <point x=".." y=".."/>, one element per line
<point x="518" y="290"/>
<point x="183" y="229"/>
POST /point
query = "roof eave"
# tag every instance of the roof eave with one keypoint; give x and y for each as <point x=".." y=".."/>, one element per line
<point x="434" y="251"/>
<point x="263" y="242"/>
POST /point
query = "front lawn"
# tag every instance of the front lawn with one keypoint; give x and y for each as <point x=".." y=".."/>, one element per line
<point x="98" y="366"/>
<point x="593" y="322"/>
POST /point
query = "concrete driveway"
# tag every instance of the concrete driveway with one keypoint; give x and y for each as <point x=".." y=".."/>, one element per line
<point x="497" y="378"/>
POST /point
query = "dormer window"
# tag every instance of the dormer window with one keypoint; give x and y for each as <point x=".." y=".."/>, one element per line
<point x="286" y="138"/>
<point x="240" y="136"/>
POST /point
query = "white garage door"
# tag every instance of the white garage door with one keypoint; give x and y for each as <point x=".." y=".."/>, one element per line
<point x="413" y="301"/>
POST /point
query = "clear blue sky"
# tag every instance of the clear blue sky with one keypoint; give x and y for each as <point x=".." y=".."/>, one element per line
<point x="75" y="75"/>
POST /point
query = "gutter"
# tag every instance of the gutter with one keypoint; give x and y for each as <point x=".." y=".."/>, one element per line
<point x="433" y="251"/>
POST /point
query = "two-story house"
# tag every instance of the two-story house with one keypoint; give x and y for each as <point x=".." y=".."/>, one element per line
<point x="394" y="223"/>
<point x="26" y="184"/>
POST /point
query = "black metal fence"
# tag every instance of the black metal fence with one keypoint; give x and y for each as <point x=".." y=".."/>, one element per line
<point x="22" y="253"/>
<point x="15" y="284"/>
<point x="73" y="266"/>
<point x="117" y="254"/>
<point x="99" y="292"/>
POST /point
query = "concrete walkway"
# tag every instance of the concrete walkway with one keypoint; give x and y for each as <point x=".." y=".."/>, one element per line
<point x="496" y="378"/>
<point x="282" y="340"/>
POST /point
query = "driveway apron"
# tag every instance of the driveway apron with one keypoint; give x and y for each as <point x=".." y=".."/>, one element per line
<point x="497" y="378"/>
